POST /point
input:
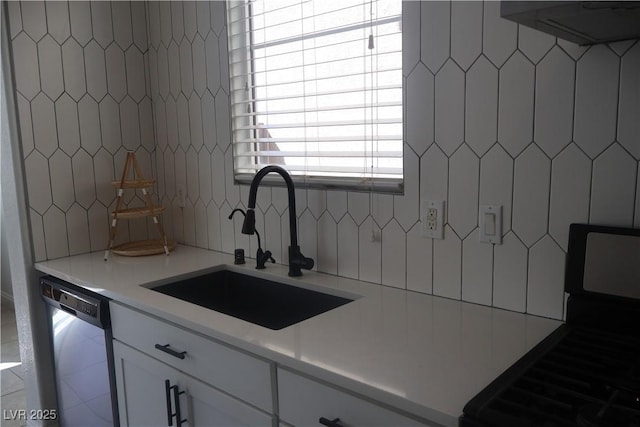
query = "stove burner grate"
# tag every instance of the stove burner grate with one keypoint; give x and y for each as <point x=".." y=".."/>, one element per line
<point x="590" y="378"/>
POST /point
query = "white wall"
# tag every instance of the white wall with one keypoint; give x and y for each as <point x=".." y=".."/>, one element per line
<point x="495" y="114"/>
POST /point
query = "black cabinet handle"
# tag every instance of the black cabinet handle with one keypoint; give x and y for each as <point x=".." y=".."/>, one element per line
<point x="176" y="402"/>
<point x="330" y="423"/>
<point x="169" y="350"/>
<point x="167" y="390"/>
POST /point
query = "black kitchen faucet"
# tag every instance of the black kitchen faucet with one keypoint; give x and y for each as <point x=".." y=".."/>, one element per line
<point x="297" y="261"/>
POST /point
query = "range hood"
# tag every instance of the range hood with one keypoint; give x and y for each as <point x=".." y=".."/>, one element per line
<point x="581" y="22"/>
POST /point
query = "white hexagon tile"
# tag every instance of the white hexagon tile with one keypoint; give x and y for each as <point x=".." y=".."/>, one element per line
<point x="477" y="270"/>
<point x="466" y="32"/>
<point x="434" y="175"/>
<point x="419" y="109"/>
<point x="447" y="265"/>
<point x="436" y="34"/>
<point x="612" y="195"/>
<point x="496" y="182"/>
<point x="554" y="102"/>
<point x="369" y="252"/>
<point x="80" y="20"/>
<point x="510" y="274"/>
<point x="327" y="261"/>
<point x="348" y="263"/>
<point x="201" y="231"/>
<point x="596" y="99"/>
<point x="122" y="31"/>
<point x="101" y="22"/>
<point x="406" y="208"/>
<point x="545" y="290"/>
<point x="570" y="189"/>
<point x="481" y="106"/>
<point x="531" y="195"/>
<point x="213" y="227"/>
<point x="51" y="77"/>
<point x="629" y="106"/>
<point x="199" y="65"/>
<point x="34" y="19"/>
<point x="203" y="17"/>
<point x="74" y="72"/>
<point x="26" y="66"/>
<point x="515" y="111"/>
<point x="464" y="170"/>
<point x="410" y="44"/>
<point x="449" y="108"/>
<point x="419" y="262"/>
<point x="67" y="124"/>
<point x="394" y="254"/>
<point x="499" y="39"/>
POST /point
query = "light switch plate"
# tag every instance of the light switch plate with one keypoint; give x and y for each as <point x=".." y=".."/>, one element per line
<point x="490" y="221"/>
<point x="181" y="195"/>
<point x="433" y="219"/>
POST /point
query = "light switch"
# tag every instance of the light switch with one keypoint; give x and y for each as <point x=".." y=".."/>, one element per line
<point x="490" y="222"/>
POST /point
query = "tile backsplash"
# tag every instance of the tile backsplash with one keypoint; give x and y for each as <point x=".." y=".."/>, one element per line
<point x="495" y="113"/>
<point x="82" y="93"/>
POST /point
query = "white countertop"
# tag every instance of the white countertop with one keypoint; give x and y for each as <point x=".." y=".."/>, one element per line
<point x="426" y="355"/>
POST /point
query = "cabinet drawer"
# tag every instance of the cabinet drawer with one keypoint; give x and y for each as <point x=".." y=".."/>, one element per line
<point x="214" y="363"/>
<point x="303" y="401"/>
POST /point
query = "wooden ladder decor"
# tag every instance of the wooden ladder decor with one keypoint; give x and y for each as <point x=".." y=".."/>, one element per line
<point x="137" y="181"/>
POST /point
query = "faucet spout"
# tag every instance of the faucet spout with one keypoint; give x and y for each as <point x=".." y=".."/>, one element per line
<point x="297" y="261"/>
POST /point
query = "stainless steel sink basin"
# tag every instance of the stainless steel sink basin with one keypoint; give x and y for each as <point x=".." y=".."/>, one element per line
<point x="263" y="302"/>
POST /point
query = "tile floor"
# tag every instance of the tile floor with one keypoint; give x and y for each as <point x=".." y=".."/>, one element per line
<point x="11" y="370"/>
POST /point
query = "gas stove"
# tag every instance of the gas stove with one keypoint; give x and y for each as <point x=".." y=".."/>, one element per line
<point x="587" y="372"/>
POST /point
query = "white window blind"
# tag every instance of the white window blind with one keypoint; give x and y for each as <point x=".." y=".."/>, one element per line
<point x="316" y="87"/>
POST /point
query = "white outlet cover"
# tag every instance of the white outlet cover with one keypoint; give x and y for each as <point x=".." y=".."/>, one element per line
<point x="436" y="232"/>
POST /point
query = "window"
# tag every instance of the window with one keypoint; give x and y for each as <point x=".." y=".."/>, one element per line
<point x="316" y="87"/>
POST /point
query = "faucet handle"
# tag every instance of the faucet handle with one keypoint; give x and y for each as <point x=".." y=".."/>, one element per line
<point x="262" y="257"/>
<point x="297" y="261"/>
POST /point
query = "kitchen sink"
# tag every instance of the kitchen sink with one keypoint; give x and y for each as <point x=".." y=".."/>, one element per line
<point x="263" y="302"/>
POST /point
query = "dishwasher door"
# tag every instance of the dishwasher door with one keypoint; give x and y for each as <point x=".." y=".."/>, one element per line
<point x="80" y="332"/>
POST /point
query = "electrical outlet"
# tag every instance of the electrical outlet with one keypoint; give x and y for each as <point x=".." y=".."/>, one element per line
<point x="433" y="219"/>
<point x="181" y="194"/>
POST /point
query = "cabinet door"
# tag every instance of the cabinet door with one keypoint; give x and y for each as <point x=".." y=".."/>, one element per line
<point x="142" y="397"/>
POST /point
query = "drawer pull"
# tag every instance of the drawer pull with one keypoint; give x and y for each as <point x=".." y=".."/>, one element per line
<point x="169" y="350"/>
<point x="330" y="423"/>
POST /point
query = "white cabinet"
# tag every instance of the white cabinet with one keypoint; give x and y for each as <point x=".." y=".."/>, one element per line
<point x="303" y="402"/>
<point x="163" y="369"/>
<point x="218" y="385"/>
<point x="147" y="396"/>
<point x="210" y="361"/>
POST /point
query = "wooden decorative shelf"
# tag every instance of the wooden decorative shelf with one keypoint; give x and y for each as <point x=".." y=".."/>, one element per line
<point x="143" y="247"/>
<point x="141" y="212"/>
<point x="132" y="179"/>
<point x="142" y="183"/>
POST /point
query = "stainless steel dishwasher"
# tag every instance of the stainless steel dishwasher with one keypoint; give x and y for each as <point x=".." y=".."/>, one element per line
<point x="81" y="342"/>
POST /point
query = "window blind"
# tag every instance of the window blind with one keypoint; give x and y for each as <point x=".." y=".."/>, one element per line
<point x="316" y="87"/>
